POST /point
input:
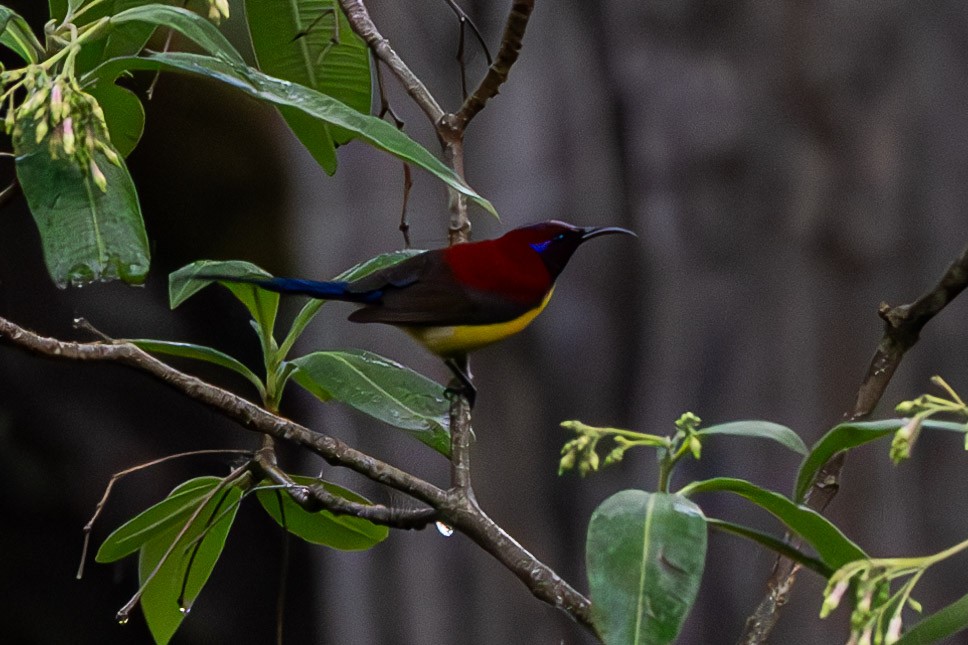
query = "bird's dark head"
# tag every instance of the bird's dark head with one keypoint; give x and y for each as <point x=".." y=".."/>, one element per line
<point x="555" y="241"/>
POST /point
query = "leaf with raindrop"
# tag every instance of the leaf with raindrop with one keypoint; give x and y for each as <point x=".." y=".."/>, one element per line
<point x="183" y="567"/>
<point x="381" y="388"/>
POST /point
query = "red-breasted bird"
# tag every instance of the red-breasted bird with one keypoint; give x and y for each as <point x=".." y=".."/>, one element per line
<point x="461" y="298"/>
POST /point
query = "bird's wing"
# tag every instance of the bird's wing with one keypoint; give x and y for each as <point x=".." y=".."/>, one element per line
<point x="423" y="291"/>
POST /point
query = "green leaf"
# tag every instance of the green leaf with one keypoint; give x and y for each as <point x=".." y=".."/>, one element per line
<point x="152" y="522"/>
<point x="189" y="24"/>
<point x="262" y="304"/>
<point x="124" y="115"/>
<point x="169" y="595"/>
<point x="311" y="308"/>
<point x="202" y="353"/>
<point x="774" y="544"/>
<point x="645" y="556"/>
<point x="382" y="389"/>
<point x="833" y="547"/>
<point x="87" y="234"/>
<point x="294" y="40"/>
<point x="15" y="34"/>
<point x="370" y="129"/>
<point x="941" y="624"/>
<point x="759" y="430"/>
<point x="851" y="435"/>
<point x="336" y="531"/>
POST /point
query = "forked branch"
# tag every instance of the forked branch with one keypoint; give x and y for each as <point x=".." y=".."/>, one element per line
<point x="903" y="325"/>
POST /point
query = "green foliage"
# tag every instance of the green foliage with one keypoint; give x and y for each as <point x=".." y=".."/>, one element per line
<point x="381" y="388"/>
<point x="88" y="215"/>
<point x="72" y="125"/>
<point x="174" y="566"/>
<point x="310" y="42"/>
<point x="179" y="540"/>
<point x="323" y="527"/>
<point x="645" y="555"/>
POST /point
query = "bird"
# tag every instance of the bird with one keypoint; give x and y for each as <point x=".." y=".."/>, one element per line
<point x="461" y="298"/>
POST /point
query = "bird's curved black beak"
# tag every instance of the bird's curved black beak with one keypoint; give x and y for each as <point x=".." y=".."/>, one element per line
<point x="595" y="231"/>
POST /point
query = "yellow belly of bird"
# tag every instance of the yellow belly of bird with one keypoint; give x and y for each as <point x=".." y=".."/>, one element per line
<point x="450" y="342"/>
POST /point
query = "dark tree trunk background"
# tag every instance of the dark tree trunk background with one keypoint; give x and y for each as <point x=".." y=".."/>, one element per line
<point x="787" y="165"/>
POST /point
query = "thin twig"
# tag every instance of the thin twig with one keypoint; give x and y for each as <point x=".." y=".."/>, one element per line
<point x="124" y="473"/>
<point x="902" y="328"/>
<point x="10" y="191"/>
<point x="498" y="71"/>
<point x="385" y="110"/>
<point x="404" y="222"/>
<point x="314" y="498"/>
<point x="463" y="18"/>
<point x="362" y="24"/>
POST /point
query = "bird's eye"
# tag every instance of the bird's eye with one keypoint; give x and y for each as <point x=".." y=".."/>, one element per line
<point x="559" y="237"/>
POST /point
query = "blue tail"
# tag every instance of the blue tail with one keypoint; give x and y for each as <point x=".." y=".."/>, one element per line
<point x="339" y="290"/>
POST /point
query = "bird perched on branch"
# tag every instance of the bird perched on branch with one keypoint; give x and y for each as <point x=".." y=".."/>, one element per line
<point x="458" y="299"/>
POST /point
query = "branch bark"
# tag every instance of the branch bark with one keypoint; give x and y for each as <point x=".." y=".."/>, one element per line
<point x="902" y="328"/>
<point x="498" y="72"/>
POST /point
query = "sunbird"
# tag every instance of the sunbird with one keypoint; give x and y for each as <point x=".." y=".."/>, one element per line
<point x="460" y="298"/>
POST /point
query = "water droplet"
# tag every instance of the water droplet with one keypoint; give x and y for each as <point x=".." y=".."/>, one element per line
<point x="122" y="620"/>
<point x="445" y="529"/>
<point x="185" y="609"/>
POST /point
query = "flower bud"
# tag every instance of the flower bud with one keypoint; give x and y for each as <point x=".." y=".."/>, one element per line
<point x="99" y="179"/>
<point x="69" y="140"/>
<point x="41" y="130"/>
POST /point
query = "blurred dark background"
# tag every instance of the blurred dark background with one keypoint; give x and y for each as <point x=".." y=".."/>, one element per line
<point x="788" y="165"/>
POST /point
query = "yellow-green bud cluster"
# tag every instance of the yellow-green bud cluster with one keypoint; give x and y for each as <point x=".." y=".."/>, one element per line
<point x="57" y="110"/>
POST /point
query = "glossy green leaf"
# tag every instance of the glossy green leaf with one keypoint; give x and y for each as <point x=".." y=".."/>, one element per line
<point x="342" y="532"/>
<point x="152" y="522"/>
<point x="645" y="556"/>
<point x="170" y="594"/>
<point x="311" y="308"/>
<point x="87" y="234"/>
<point x="759" y="430"/>
<point x="833" y="547"/>
<point x="201" y="353"/>
<point x="851" y="435"/>
<point x="772" y="543"/>
<point x="370" y="129"/>
<point x="189" y="24"/>
<point x="949" y="621"/>
<point x="298" y="41"/>
<point x="189" y="280"/>
<point x="380" y="388"/>
<point x="15" y="34"/>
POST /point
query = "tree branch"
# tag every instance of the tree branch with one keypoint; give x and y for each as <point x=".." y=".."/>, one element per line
<point x="498" y="72"/>
<point x="453" y="507"/>
<point x="362" y="24"/>
<point x="903" y="325"/>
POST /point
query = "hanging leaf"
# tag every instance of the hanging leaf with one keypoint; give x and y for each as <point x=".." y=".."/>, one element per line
<point x="169" y="595"/>
<point x="152" y="522"/>
<point x="645" y="556"/>
<point x="834" y="548"/>
<point x="374" y="131"/>
<point x="88" y="231"/>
